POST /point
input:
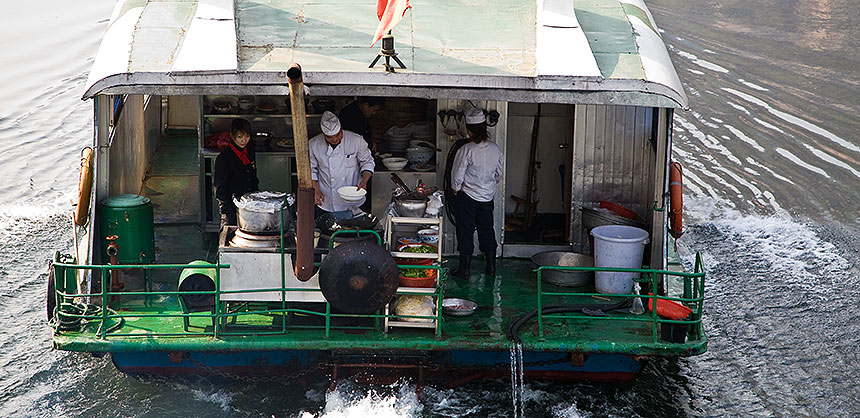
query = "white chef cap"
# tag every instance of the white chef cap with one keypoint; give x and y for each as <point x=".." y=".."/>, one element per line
<point x="329" y="123"/>
<point x="475" y="116"/>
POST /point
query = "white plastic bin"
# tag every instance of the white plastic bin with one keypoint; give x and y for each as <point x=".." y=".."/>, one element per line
<point x="617" y="246"/>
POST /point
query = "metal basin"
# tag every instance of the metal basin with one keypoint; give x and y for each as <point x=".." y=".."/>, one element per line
<point x="411" y="207"/>
<point x="565" y="259"/>
<point x="595" y="217"/>
<point x="458" y="307"/>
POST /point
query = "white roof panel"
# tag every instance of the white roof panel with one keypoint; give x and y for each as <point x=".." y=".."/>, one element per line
<point x="594" y="50"/>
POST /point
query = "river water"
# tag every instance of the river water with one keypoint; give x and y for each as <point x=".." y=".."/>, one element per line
<point x="770" y="149"/>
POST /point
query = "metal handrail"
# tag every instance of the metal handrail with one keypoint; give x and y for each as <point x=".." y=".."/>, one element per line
<point x="218" y="314"/>
<point x="694" y="290"/>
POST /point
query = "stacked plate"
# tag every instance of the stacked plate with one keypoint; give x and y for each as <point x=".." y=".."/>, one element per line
<point x="425" y="136"/>
<point x="398" y="142"/>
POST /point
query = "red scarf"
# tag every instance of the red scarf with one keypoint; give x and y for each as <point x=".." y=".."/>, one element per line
<point x="243" y="155"/>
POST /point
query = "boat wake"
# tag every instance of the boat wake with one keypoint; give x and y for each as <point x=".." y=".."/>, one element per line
<point x="350" y="400"/>
<point x="764" y="272"/>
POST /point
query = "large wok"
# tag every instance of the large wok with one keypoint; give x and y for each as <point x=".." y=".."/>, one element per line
<point x="358" y="277"/>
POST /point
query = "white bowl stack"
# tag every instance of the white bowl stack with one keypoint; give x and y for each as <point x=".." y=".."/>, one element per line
<point x="351" y="194"/>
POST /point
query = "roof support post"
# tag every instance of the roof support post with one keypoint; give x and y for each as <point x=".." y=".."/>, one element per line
<point x="661" y="186"/>
<point x="305" y="197"/>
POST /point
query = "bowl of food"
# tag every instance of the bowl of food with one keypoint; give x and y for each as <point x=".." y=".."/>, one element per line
<point x="412" y="306"/>
<point x="395" y="163"/>
<point x="417" y="277"/>
<point x="422" y="167"/>
<point x="408" y="240"/>
<point x="351" y="194"/>
<point x="421" y="248"/>
<point x="458" y="307"/>
<point x="429" y="236"/>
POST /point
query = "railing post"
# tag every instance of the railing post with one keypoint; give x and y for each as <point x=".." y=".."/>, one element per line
<point x="327" y="319"/>
<point x="284" y="313"/>
<point x="654" y="317"/>
<point x="103" y="330"/>
<point x="441" y="279"/>
<point x="217" y="328"/>
<point x="539" y="303"/>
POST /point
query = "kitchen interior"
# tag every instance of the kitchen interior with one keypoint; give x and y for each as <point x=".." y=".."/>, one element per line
<point x="540" y="160"/>
<point x="545" y="146"/>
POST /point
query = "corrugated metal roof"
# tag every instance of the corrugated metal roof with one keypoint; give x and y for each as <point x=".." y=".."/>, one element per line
<point x="595" y="51"/>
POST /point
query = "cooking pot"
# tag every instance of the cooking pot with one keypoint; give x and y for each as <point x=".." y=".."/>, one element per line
<point x="411" y="205"/>
<point x="258" y="212"/>
<point x="358" y="277"/>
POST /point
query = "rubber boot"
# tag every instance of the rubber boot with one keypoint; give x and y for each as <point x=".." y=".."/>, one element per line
<point x="462" y="271"/>
<point x="490" y="258"/>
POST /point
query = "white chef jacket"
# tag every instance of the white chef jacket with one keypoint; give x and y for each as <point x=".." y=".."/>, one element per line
<point x="338" y="167"/>
<point x="476" y="170"/>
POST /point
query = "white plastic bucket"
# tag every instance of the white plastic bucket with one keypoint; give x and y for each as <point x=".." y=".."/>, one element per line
<point x="619" y="246"/>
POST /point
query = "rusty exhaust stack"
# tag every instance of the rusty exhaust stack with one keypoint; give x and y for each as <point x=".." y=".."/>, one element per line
<point x="305" y="197"/>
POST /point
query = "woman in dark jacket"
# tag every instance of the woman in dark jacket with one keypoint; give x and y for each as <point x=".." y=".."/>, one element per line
<point x="235" y="170"/>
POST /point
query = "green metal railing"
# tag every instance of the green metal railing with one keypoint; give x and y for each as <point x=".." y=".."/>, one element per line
<point x="219" y="315"/>
<point x="693" y="297"/>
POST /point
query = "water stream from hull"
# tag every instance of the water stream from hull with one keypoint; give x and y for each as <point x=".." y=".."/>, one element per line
<point x="517" y="386"/>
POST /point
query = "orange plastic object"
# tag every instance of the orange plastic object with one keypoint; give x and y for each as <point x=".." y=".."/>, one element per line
<point x="676" y="201"/>
<point x="618" y="210"/>
<point x="419" y="282"/>
<point x="670" y="309"/>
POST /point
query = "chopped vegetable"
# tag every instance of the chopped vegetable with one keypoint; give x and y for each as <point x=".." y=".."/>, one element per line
<point x="424" y="249"/>
<point x="415" y="273"/>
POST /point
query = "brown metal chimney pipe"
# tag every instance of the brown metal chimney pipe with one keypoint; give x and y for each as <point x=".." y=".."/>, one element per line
<point x="305" y="197"/>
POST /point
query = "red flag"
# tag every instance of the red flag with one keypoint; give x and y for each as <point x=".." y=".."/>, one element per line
<point x="389" y="12"/>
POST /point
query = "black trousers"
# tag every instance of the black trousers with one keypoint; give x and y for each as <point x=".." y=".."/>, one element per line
<point x="471" y="215"/>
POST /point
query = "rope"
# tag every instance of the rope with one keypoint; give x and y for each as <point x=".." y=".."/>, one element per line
<point x="86" y="311"/>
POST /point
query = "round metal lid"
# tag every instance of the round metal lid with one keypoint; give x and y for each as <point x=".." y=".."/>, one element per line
<point x="125" y="201"/>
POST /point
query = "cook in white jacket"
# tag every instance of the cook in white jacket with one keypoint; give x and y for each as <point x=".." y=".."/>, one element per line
<point x="338" y="158"/>
<point x="477" y="167"/>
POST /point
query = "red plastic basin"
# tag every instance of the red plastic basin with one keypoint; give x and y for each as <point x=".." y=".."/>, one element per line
<point x="618" y="210"/>
<point x="420" y="282"/>
<point x="670" y="309"/>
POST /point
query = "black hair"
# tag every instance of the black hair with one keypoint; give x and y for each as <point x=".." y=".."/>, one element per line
<point x="480" y="132"/>
<point x="371" y="101"/>
<point x="240" y="125"/>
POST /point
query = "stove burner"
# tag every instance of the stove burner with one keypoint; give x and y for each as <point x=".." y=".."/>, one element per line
<point x="260" y="233"/>
<point x="247" y="240"/>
